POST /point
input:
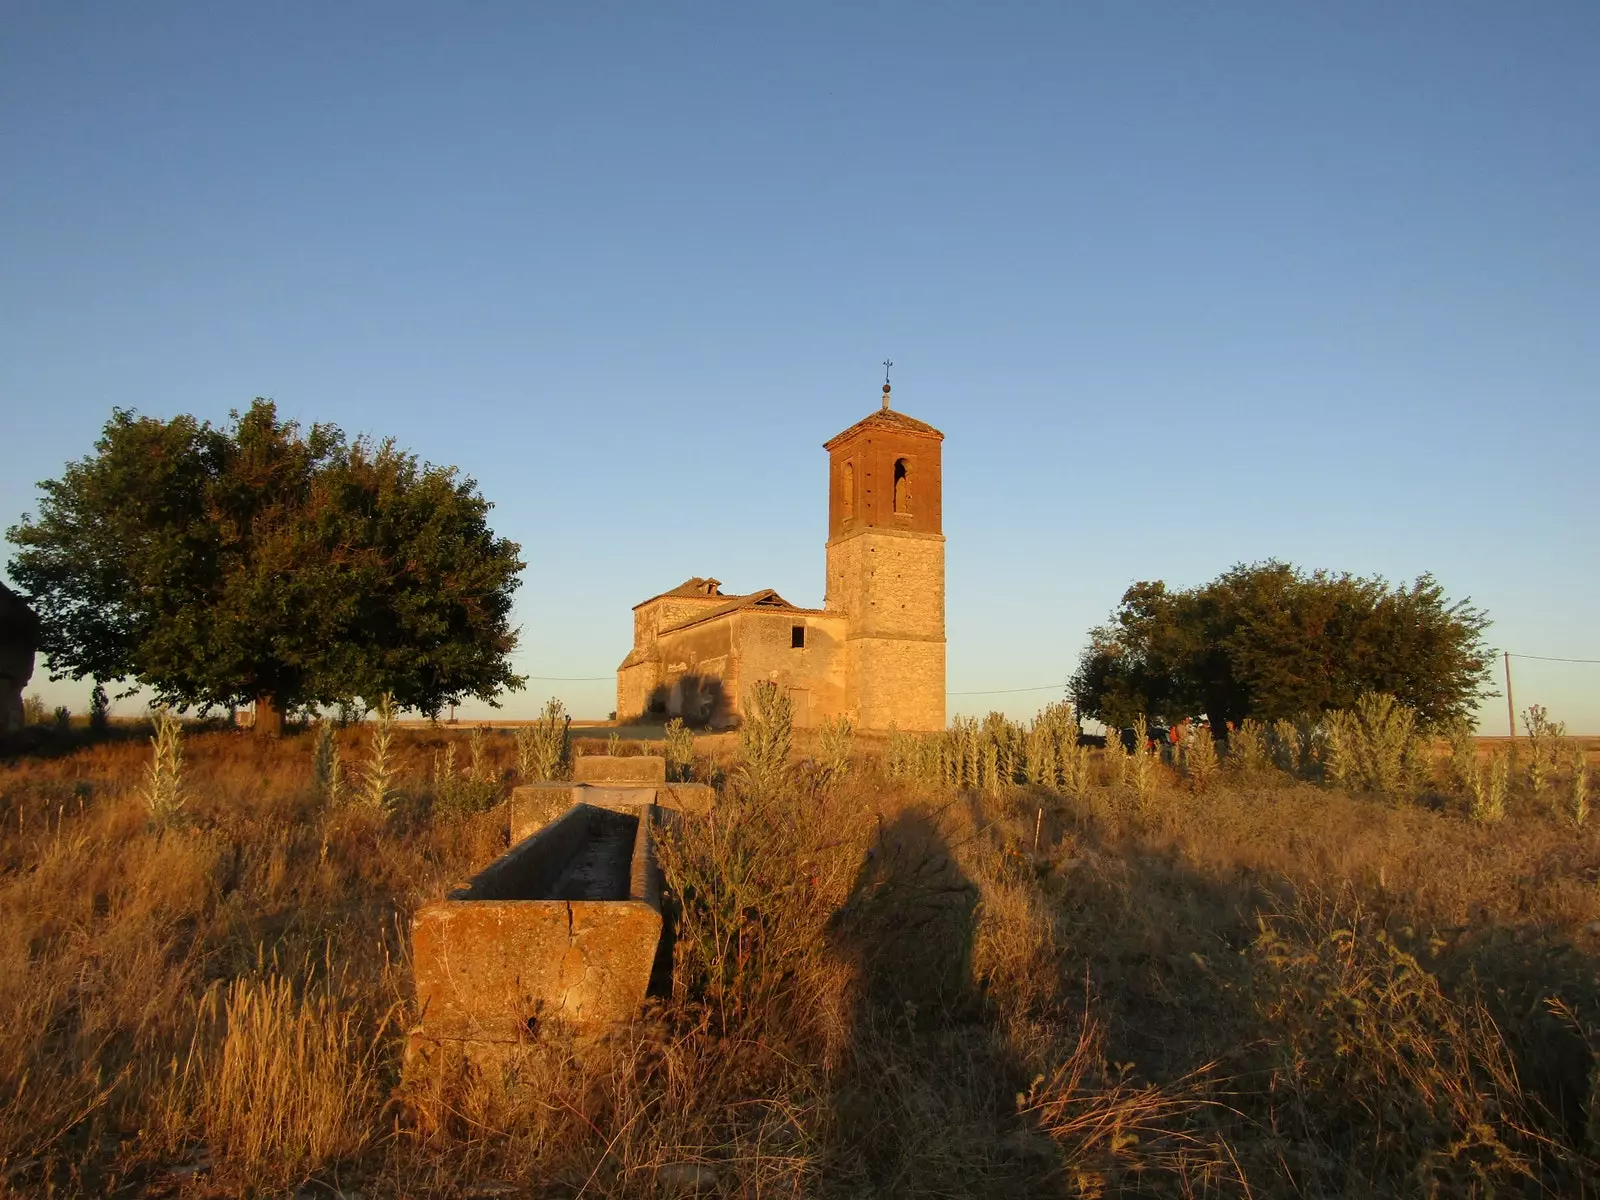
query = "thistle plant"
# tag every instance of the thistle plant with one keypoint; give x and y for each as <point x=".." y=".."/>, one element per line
<point x="1115" y="758"/>
<point x="478" y="747"/>
<point x="1286" y="745"/>
<point x="967" y="752"/>
<point x="614" y="745"/>
<point x="1341" y="740"/>
<point x="544" y="747"/>
<point x="1041" y="754"/>
<point x="1072" y="757"/>
<point x="1247" y="747"/>
<point x="835" y="737"/>
<point x="1144" y="762"/>
<point x="1580" y="788"/>
<point x="989" y="776"/>
<point x="679" y="751"/>
<point x="462" y="793"/>
<point x="1544" y="736"/>
<point x="1200" y="757"/>
<point x="327" y="772"/>
<point x="764" y="741"/>
<point x="378" y="775"/>
<point x="163" y="788"/>
<point x="1488" y="803"/>
<point x="445" y="783"/>
<point x="1386" y="727"/>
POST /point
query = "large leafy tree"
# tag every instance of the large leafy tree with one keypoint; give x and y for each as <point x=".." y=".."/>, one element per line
<point x="1268" y="640"/>
<point x="264" y="563"/>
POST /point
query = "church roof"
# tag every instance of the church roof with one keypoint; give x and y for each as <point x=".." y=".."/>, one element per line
<point x="886" y="419"/>
<point x="765" y="600"/>
<point x="694" y="588"/>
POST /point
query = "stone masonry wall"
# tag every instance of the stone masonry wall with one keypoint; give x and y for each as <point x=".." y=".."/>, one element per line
<point x="889" y="583"/>
<point x="898" y="683"/>
<point x="890" y="586"/>
<point x="815" y="676"/>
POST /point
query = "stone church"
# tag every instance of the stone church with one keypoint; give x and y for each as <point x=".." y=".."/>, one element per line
<point x="874" y="652"/>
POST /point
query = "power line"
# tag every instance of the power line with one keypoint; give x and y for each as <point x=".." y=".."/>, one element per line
<point x="572" y="678"/>
<point x="1047" y="687"/>
<point x="1547" y="658"/>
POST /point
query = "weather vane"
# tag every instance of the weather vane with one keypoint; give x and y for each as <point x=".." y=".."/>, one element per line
<point x="886" y="365"/>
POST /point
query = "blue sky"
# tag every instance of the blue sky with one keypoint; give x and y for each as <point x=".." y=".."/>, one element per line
<point x="1183" y="285"/>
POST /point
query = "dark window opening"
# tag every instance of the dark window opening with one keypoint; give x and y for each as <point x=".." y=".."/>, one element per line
<point x="902" y="486"/>
<point x="797" y="637"/>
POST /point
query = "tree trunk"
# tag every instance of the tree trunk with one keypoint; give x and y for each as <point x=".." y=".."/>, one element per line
<point x="269" y="717"/>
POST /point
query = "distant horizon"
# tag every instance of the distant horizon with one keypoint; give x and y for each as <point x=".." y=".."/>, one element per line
<point x="1183" y="288"/>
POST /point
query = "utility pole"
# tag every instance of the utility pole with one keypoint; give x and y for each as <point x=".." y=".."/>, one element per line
<point x="1511" y="708"/>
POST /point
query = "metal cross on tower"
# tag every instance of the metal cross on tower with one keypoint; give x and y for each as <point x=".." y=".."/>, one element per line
<point x="886" y="365"/>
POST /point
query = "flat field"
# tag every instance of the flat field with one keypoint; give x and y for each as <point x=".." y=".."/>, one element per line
<point x="1263" y="988"/>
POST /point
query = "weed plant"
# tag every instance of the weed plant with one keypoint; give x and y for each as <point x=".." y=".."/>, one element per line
<point x="1579" y="809"/>
<point x="1114" y="761"/>
<point x="835" y="740"/>
<point x="377" y="781"/>
<point x="1544" y="740"/>
<point x="887" y="988"/>
<point x="765" y="739"/>
<point x="1488" y="787"/>
<point x="1248" y="752"/>
<point x="1200" y="761"/>
<point x="327" y="771"/>
<point x="679" y="751"/>
<point x="544" y="748"/>
<point x="1144" y="764"/>
<point x="163" y="788"/>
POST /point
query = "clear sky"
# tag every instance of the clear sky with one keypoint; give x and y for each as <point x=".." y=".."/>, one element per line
<point x="1184" y="285"/>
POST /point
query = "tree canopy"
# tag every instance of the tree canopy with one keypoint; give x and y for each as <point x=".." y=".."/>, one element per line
<point x="1270" y="641"/>
<point x="260" y="562"/>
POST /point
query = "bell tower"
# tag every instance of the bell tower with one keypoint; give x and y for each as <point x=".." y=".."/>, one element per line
<point x="886" y="567"/>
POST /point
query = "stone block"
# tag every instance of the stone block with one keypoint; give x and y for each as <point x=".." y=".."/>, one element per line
<point x="535" y="805"/>
<point x="564" y="927"/>
<point x="618" y="768"/>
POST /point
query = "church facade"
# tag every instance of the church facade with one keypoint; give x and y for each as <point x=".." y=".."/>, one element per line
<point x="875" y="650"/>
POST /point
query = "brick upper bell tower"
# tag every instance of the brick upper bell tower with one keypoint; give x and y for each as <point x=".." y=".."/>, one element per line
<point x="886" y="568"/>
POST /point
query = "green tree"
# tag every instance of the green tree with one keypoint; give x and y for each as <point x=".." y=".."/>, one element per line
<point x="262" y="563"/>
<point x="1270" y="641"/>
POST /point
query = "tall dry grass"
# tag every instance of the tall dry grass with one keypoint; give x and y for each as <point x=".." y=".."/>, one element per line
<point x="931" y="977"/>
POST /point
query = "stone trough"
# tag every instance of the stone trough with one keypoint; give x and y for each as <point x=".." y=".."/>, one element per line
<point x="566" y="926"/>
<point x="563" y="928"/>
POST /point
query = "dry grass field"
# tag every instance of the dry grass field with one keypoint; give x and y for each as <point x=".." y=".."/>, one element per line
<point x="1262" y="987"/>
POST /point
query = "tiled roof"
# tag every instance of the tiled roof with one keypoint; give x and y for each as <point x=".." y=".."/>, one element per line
<point x="884" y="418"/>
<point x="695" y="588"/>
<point x="764" y="599"/>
